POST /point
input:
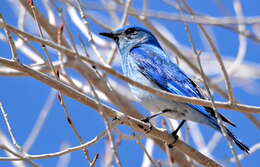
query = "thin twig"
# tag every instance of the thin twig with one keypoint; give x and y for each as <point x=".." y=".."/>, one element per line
<point x="10" y="40"/>
<point x="125" y="15"/>
<point x="147" y="154"/>
<point x="42" y="36"/>
<point x="242" y="156"/>
<point x="219" y="120"/>
<point x="72" y="125"/>
<point x="217" y="54"/>
<point x="19" y="156"/>
<point x="208" y="20"/>
<point x="108" y="127"/>
<point x="224" y="22"/>
<point x="65" y="151"/>
<point x="5" y="115"/>
<point x="18" y="147"/>
<point x="87" y="29"/>
<point x="233" y="68"/>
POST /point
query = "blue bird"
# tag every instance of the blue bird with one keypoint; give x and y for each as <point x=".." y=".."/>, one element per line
<point x="144" y="61"/>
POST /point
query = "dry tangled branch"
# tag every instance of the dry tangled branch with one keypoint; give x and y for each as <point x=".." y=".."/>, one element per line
<point x="56" y="43"/>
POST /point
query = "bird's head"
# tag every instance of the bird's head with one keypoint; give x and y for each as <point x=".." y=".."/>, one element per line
<point x="130" y="36"/>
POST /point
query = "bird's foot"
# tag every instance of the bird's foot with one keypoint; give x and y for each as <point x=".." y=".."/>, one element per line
<point x="176" y="137"/>
<point x="115" y="118"/>
<point x="147" y="120"/>
<point x="174" y="133"/>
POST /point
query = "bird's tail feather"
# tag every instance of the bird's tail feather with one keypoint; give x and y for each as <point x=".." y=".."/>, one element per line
<point x="241" y="145"/>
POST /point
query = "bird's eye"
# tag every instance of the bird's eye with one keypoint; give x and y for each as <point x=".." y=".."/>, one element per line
<point x="130" y="31"/>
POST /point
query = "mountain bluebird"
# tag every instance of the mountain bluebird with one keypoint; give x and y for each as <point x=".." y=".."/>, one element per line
<point x="144" y="61"/>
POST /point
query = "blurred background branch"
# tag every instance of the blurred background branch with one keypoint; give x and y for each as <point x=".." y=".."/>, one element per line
<point x="56" y="43"/>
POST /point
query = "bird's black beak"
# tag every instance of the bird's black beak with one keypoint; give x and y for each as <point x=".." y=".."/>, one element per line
<point x="111" y="35"/>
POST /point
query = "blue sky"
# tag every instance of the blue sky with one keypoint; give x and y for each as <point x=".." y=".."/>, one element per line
<point x="23" y="97"/>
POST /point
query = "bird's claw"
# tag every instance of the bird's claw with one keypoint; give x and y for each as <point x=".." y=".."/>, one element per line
<point x="147" y="120"/>
<point x="176" y="137"/>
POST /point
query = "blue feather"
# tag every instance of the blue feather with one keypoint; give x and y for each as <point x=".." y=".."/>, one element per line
<point x="167" y="75"/>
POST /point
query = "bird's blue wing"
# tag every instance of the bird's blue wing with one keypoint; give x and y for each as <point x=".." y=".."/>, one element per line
<point x="157" y="67"/>
<point x="154" y="64"/>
